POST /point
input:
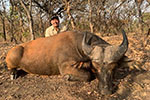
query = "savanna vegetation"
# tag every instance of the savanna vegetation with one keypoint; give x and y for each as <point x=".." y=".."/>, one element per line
<point x="24" y="20"/>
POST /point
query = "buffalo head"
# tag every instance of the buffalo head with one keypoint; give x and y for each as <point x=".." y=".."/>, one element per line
<point x="104" y="58"/>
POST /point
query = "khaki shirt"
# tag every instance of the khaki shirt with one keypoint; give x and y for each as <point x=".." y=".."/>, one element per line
<point x="50" y="31"/>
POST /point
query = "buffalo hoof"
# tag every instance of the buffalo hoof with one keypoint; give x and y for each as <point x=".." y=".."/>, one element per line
<point x="13" y="74"/>
<point x="105" y="92"/>
<point x="69" y="77"/>
<point x="13" y="77"/>
<point x="66" y="77"/>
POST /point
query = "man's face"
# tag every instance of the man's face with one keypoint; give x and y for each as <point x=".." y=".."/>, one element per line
<point x="55" y="22"/>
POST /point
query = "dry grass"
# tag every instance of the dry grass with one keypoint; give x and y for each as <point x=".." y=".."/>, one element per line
<point x="131" y="83"/>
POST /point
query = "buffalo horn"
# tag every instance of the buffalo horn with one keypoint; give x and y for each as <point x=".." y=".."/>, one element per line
<point x="86" y="47"/>
<point x="124" y="45"/>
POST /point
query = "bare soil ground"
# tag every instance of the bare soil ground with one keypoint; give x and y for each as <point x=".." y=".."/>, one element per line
<point x="131" y="83"/>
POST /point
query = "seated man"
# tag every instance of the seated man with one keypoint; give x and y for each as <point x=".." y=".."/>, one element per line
<point x="55" y="28"/>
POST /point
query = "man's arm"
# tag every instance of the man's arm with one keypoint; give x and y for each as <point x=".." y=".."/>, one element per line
<point x="47" y="32"/>
<point x="64" y="28"/>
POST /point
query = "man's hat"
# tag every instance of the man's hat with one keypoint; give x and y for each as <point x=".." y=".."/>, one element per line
<point x="54" y="17"/>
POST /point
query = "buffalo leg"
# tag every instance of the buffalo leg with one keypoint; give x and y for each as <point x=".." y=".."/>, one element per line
<point x="13" y="73"/>
<point x="75" y="74"/>
<point x="73" y="77"/>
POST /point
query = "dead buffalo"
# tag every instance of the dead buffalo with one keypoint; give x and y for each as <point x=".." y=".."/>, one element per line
<point x="75" y="55"/>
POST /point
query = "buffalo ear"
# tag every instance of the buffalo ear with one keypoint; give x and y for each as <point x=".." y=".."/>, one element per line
<point x="114" y="53"/>
<point x="126" y="59"/>
<point x="131" y="64"/>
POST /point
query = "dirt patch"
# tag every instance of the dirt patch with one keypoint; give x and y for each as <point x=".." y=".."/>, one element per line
<point x="131" y="83"/>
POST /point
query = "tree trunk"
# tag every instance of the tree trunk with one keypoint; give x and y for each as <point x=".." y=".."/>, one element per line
<point x="138" y="4"/>
<point x="30" y="19"/>
<point x="67" y="3"/>
<point x="21" y="24"/>
<point x="11" y="21"/>
<point x="31" y="27"/>
<point x="4" y="30"/>
<point x="41" y="26"/>
<point x="90" y="16"/>
<point x="12" y="32"/>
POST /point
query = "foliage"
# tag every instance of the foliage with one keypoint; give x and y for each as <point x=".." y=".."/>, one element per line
<point x="146" y="17"/>
<point x="104" y="16"/>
